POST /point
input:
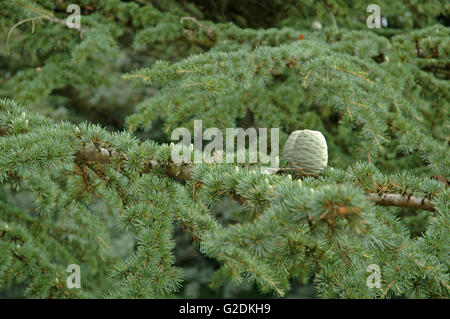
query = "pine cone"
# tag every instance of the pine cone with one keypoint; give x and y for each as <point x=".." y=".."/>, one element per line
<point x="307" y="151"/>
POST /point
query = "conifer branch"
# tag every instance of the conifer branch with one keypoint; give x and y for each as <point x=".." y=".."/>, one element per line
<point x="184" y="172"/>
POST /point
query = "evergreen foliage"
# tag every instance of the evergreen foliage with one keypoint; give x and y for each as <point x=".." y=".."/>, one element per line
<point x="86" y="175"/>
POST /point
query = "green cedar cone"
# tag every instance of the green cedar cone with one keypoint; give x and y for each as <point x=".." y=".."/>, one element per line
<point x="307" y="151"/>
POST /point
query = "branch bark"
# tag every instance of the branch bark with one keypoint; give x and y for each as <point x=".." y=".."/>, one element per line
<point x="400" y="200"/>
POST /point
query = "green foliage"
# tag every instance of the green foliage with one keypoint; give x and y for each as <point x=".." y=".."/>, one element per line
<point x="86" y="175"/>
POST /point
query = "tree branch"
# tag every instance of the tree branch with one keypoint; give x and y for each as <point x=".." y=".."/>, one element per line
<point x="184" y="172"/>
<point x="401" y="201"/>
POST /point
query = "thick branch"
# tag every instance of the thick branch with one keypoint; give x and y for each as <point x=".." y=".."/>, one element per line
<point x="401" y="201"/>
<point x="93" y="154"/>
<point x="3" y="130"/>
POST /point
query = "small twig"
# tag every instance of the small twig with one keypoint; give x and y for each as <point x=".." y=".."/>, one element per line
<point x="332" y="17"/>
<point x="387" y="289"/>
<point x="33" y="19"/>
<point x="209" y="33"/>
<point x="353" y="73"/>
<point x="20" y="23"/>
<point x="306" y="78"/>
